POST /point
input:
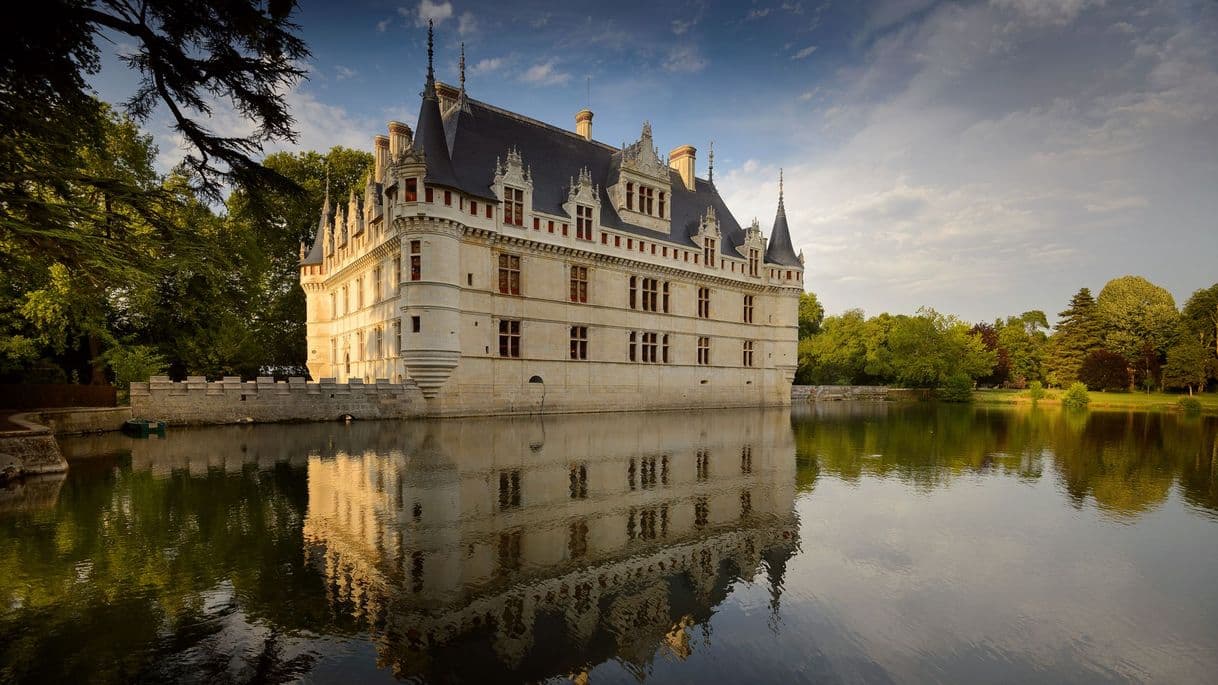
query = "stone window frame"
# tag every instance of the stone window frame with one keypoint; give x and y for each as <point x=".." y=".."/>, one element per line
<point x="747" y="350"/>
<point x="510" y="273"/>
<point x="704" y="348"/>
<point x="579" y="343"/>
<point x="747" y="314"/>
<point x="509" y="338"/>
<point x="513" y="206"/>
<point x="583" y="222"/>
<point x="416" y="260"/>
<point x="579" y="283"/>
<point x="703" y="302"/>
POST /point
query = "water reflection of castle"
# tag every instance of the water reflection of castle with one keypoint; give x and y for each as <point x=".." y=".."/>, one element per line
<point x="537" y="549"/>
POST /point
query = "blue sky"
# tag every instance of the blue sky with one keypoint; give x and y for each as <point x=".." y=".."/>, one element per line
<point x="982" y="158"/>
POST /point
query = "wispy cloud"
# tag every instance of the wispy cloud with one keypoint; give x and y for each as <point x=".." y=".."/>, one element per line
<point x="684" y="59"/>
<point x="467" y="23"/>
<point x="804" y="52"/>
<point x="428" y="10"/>
<point x="545" y="74"/>
<point x="342" y="73"/>
<point x="486" y="66"/>
<point x="384" y="24"/>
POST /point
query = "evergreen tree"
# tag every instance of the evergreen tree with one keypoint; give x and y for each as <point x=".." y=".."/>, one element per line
<point x="1078" y="333"/>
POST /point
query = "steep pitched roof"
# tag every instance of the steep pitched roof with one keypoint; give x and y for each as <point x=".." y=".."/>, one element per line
<point x="481" y="134"/>
<point x="780" y="250"/>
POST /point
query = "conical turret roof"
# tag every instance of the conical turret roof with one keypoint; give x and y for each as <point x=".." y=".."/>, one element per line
<point x="780" y="250"/>
<point x="429" y="135"/>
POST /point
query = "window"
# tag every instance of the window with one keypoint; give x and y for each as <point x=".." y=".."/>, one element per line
<point x="397" y="273"/>
<point x="346" y="301"/>
<point x="665" y="302"/>
<point x="448" y="198"/>
<point x="579" y="342"/>
<point x="334" y="351"/>
<point x="661" y="214"/>
<point x="359" y="346"/>
<point x="359" y="293"/>
<point x="397" y="337"/>
<point x="536" y="224"/>
<point x="550" y="226"/>
<point x="649" y="347"/>
<point x="412" y="190"/>
<point x="490" y="211"/>
<point x="564" y="230"/>
<point x="629" y="196"/>
<point x="509" y="490"/>
<point x="703" y="465"/>
<point x="703" y="351"/>
<point x="579" y="481"/>
<point x="634" y="285"/>
<point x="428" y="194"/>
<point x="664" y="348"/>
<point x="630" y="349"/>
<point x="583" y="222"/>
<point x="748" y="352"/>
<point x="473" y="207"/>
<point x="416" y="324"/>
<point x="708" y="252"/>
<point x="579" y="284"/>
<point x="617" y="241"/>
<point x="333" y="305"/>
<point x="646" y="199"/>
<point x="748" y="309"/>
<point x="513" y="206"/>
<point x="704" y="303"/>
<point x="509" y="274"/>
<point x="379" y="342"/>
<point x="376" y="284"/>
<point x="416" y="260"/>
<point x="509" y="338"/>
<point x="650" y="294"/>
<point x="754" y="261"/>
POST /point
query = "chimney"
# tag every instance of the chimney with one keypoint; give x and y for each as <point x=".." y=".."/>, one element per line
<point x="380" y="149"/>
<point x="583" y="123"/>
<point x="682" y="159"/>
<point x="399" y="139"/>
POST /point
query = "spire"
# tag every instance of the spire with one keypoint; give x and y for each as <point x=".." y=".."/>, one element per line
<point x="710" y="170"/>
<point x="325" y="206"/>
<point x="429" y="89"/>
<point x="780" y="250"/>
<point x="429" y="135"/>
<point x="461" y="66"/>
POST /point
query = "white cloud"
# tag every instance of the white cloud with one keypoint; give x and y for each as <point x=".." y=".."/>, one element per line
<point x="807" y="96"/>
<point x="804" y="52"/>
<point x="684" y="59"/>
<point x="428" y="10"/>
<point x="343" y="73"/>
<point x="545" y="74"/>
<point x="486" y="66"/>
<point x="467" y="23"/>
<point x="384" y="24"/>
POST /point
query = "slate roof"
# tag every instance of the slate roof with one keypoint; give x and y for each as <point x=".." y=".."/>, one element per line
<point x="780" y="250"/>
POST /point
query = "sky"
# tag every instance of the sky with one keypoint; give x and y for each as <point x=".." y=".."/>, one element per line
<point x="981" y="158"/>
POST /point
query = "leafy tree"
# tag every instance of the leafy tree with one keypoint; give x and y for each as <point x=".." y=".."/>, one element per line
<point x="958" y="387"/>
<point x="1076" y="396"/>
<point x="1140" y="320"/>
<point x="1200" y="319"/>
<point x="811" y="314"/>
<point x="1023" y="339"/>
<point x="1189" y="365"/>
<point x="1104" y="370"/>
<point x="837" y="354"/>
<point x="1002" y="366"/>
<point x="929" y="348"/>
<point x="1078" y="333"/>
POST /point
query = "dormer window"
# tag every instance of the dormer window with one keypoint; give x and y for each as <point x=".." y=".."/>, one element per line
<point x="708" y="252"/>
<point x="646" y="198"/>
<point x="513" y="206"/>
<point x="661" y="214"/>
<point x="754" y="261"/>
<point x="583" y="222"/>
<point x="630" y="196"/>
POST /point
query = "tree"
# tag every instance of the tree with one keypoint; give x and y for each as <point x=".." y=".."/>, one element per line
<point x="1189" y="364"/>
<point x="1023" y="339"/>
<point x="1105" y="370"/>
<point x="1002" y="367"/>
<point x="1200" y="319"/>
<point x="837" y="354"/>
<point x="811" y="314"/>
<point x="1078" y="333"/>
<point x="1140" y="320"/>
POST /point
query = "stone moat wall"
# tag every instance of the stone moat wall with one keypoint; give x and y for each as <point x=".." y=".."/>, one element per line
<point x="196" y="401"/>
<point x="872" y="393"/>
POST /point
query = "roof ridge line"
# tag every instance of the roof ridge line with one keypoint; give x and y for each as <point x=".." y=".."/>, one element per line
<point x="537" y="122"/>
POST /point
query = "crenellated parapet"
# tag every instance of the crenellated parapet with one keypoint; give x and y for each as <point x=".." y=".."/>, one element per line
<point x="230" y="400"/>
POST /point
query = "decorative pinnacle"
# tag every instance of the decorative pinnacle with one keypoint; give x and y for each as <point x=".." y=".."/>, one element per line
<point x="326" y="204"/>
<point x="431" y="74"/>
<point x="710" y="173"/>
<point x="461" y="65"/>
<point x="780" y="188"/>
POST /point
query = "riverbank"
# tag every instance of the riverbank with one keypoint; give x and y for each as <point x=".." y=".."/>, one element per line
<point x="1141" y="401"/>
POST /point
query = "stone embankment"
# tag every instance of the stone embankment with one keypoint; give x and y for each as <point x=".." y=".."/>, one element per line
<point x="28" y="449"/>
<point x="866" y="393"/>
<point x="199" y="402"/>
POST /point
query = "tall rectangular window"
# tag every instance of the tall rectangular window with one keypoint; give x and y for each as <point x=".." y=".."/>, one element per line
<point x="665" y="303"/>
<point x="748" y="309"/>
<point x="649" y="348"/>
<point x="376" y="284"/>
<point x="378" y="343"/>
<point x="490" y="211"/>
<point x="630" y="351"/>
<point x="334" y="350"/>
<point x="473" y="207"/>
<point x="703" y="351"/>
<point x="429" y="195"/>
<point x="509" y="338"/>
<point x="333" y="305"/>
<point x="416" y="260"/>
<point x="661" y="214"/>
<point x="579" y="284"/>
<point x="397" y="273"/>
<point x="346" y="301"/>
<point x="359" y="293"/>
<point x="359" y="346"/>
<point x="748" y="352"/>
<point x="650" y="294"/>
<point x="634" y="292"/>
<point x="630" y="196"/>
<point x="708" y="252"/>
<point x="397" y="337"/>
<point x="513" y="206"/>
<point x="509" y="274"/>
<point x="704" y="303"/>
<point x="448" y="198"/>
<point x="416" y="324"/>
<point x="664" y="348"/>
<point x="579" y="342"/>
<point x="412" y="190"/>
<point x="754" y="261"/>
<point x="583" y="222"/>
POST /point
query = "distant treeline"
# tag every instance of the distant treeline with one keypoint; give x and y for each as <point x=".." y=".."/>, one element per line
<point x="1131" y="336"/>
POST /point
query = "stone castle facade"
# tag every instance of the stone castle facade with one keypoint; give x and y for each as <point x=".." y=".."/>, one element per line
<point x="500" y="263"/>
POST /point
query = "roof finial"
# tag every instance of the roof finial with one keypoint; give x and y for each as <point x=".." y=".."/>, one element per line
<point x="326" y="204"/>
<point x="431" y="73"/>
<point x="780" y="187"/>
<point x="710" y="171"/>
<point x="462" y="66"/>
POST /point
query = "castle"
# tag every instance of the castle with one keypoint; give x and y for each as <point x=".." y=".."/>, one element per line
<point x="501" y="263"/>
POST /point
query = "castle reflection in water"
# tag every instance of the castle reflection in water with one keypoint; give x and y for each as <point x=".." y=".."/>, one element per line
<point x="529" y="548"/>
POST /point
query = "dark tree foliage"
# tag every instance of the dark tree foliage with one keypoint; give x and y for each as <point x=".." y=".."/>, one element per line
<point x="989" y="337"/>
<point x="1104" y="370"/>
<point x="1078" y="333"/>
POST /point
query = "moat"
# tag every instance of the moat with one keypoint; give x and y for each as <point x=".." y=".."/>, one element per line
<point x="839" y="542"/>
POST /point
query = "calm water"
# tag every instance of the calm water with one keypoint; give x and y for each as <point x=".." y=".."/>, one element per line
<point x="844" y="543"/>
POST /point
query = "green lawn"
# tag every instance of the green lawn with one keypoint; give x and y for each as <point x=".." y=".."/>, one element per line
<point x="1155" y="401"/>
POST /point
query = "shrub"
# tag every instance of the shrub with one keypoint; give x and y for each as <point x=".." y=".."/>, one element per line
<point x="1104" y="370"/>
<point x="957" y="388"/>
<point x="133" y="364"/>
<point x="1076" y="396"/>
<point x="1036" y="391"/>
<point x="1190" y="405"/>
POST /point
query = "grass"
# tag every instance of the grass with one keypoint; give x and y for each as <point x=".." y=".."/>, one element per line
<point x="1155" y="401"/>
